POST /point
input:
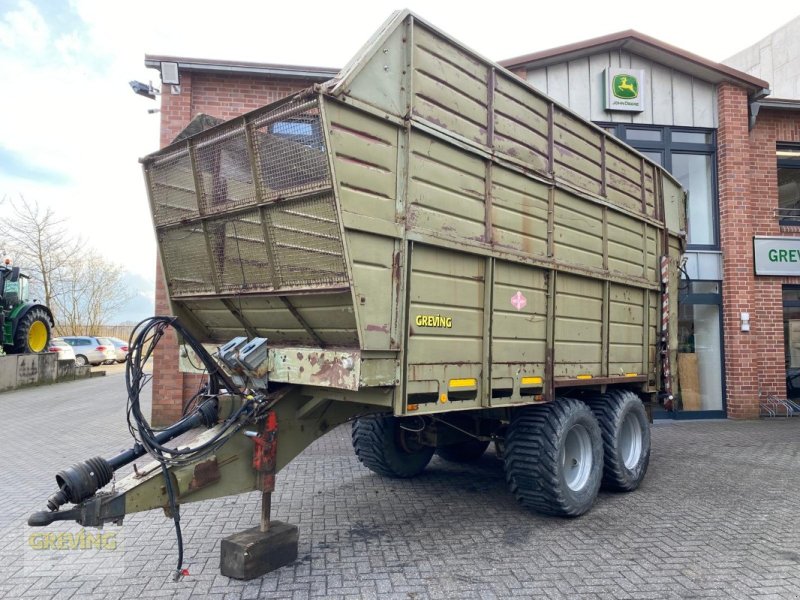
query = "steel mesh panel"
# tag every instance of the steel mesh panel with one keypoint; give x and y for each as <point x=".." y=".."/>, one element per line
<point x="240" y="253"/>
<point x="172" y="188"/>
<point x="185" y="257"/>
<point x="307" y="242"/>
<point x="224" y="170"/>
<point x="290" y="151"/>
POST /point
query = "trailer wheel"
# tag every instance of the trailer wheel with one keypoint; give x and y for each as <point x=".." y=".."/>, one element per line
<point x="463" y="452"/>
<point x="554" y="457"/>
<point x="33" y="332"/>
<point x="385" y="448"/>
<point x="626" y="439"/>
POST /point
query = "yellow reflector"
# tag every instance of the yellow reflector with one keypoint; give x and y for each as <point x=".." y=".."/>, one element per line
<point x="584" y="376"/>
<point x="631" y="374"/>
<point x="443" y="398"/>
<point x="457" y="383"/>
<point x="531" y="381"/>
<point x="411" y="407"/>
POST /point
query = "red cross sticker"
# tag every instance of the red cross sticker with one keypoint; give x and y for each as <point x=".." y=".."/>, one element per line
<point x="519" y="301"/>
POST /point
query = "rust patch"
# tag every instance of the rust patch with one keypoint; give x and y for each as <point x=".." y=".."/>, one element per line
<point x="381" y="328"/>
<point x="205" y="473"/>
<point x="332" y="373"/>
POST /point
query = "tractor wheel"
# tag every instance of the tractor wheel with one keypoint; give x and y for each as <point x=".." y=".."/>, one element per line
<point x="626" y="439"/>
<point x="463" y="452"/>
<point x="554" y="457"/>
<point x="33" y="332"/>
<point x="386" y="448"/>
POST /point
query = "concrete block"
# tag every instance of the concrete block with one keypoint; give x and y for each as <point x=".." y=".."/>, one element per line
<point x="252" y="553"/>
<point x="8" y="373"/>
<point x="27" y="369"/>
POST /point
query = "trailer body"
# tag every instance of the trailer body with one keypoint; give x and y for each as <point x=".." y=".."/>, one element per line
<point x="425" y="222"/>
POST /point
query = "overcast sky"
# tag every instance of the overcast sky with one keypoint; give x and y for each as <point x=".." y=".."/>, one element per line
<point x="71" y="130"/>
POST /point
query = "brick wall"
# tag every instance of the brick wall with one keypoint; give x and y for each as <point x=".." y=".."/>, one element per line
<point x="222" y="96"/>
<point x="748" y="197"/>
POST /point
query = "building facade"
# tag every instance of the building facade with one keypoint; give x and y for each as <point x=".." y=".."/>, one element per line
<point x="713" y="126"/>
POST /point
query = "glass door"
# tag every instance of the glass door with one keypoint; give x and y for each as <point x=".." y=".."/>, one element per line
<point x="700" y="358"/>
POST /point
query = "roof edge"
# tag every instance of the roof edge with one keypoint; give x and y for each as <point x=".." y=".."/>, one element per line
<point x="154" y="61"/>
<point x="619" y="38"/>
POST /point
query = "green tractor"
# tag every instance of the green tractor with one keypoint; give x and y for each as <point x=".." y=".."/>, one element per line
<point x="26" y="325"/>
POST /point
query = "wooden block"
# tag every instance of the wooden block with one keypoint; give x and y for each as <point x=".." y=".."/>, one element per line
<point x="252" y="553"/>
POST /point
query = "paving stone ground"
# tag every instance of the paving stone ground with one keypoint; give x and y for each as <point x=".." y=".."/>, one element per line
<point x="718" y="516"/>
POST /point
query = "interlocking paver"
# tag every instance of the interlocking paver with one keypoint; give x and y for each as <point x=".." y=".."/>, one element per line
<point x="716" y="517"/>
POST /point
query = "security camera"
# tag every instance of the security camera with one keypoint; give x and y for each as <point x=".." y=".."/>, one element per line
<point x="144" y="89"/>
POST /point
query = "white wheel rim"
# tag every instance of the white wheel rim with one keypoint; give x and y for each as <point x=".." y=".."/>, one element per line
<point x="630" y="441"/>
<point x="576" y="458"/>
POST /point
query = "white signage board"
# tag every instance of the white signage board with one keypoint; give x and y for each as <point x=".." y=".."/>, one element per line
<point x="625" y="89"/>
<point x="776" y="255"/>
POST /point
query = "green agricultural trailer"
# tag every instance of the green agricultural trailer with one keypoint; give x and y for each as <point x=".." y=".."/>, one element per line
<point x="426" y="246"/>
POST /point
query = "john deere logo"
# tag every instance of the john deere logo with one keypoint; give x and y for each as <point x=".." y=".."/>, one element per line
<point x="625" y="86"/>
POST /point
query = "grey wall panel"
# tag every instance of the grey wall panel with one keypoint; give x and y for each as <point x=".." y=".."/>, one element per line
<point x="682" y="109"/>
<point x="672" y="97"/>
<point x="661" y="82"/>
<point x="703" y="105"/>
<point x="580" y="88"/>
<point x="538" y="79"/>
<point x="598" y="63"/>
<point x="558" y="83"/>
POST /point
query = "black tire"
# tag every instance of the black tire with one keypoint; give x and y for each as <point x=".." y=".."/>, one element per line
<point x="35" y="319"/>
<point x="626" y="439"/>
<point x="463" y="452"/>
<point x="378" y="443"/>
<point x="81" y="360"/>
<point x="539" y="440"/>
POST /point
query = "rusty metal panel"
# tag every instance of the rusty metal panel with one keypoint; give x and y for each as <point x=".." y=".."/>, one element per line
<point x="578" y="236"/>
<point x="624" y="175"/>
<point x="330" y="317"/>
<point x="312" y="366"/>
<point x="446" y="189"/>
<point x="449" y="86"/>
<point x="519" y="314"/>
<point x="626" y="244"/>
<point x="578" y="326"/>
<point x="519" y="212"/>
<point x="374" y="279"/>
<point x="576" y="152"/>
<point x="365" y="161"/>
<point x="626" y="331"/>
<point x="520" y="123"/>
<point x="445" y="312"/>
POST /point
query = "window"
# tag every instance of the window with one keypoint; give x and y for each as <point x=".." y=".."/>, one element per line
<point x="690" y="155"/>
<point x="788" y="184"/>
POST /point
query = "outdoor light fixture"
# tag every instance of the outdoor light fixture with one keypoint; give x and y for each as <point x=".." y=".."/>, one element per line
<point x="144" y="89"/>
<point x="745" y="321"/>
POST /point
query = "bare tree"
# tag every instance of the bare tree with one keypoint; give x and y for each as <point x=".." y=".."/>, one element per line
<point x="89" y="292"/>
<point x="39" y="243"/>
<point x="82" y="289"/>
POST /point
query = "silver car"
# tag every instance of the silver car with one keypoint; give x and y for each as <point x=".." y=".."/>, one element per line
<point x="91" y="350"/>
<point x="64" y="350"/>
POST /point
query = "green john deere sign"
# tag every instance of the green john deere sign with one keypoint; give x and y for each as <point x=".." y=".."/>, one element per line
<point x="624" y="89"/>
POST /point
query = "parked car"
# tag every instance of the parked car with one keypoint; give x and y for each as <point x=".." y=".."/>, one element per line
<point x="91" y="350"/>
<point x="65" y="351"/>
<point x="121" y="347"/>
